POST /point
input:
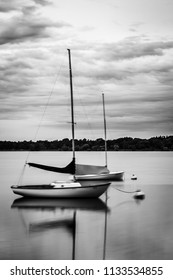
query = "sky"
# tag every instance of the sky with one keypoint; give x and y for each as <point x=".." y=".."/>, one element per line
<point x="122" y="48"/>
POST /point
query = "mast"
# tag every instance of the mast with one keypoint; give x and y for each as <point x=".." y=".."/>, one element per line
<point x="72" y="110"/>
<point x="104" y="118"/>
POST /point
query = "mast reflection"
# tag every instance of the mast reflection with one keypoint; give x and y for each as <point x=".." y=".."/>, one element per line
<point x="40" y="215"/>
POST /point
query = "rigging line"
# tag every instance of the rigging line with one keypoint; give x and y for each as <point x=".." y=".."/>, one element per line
<point x="21" y="174"/>
<point x="46" y="105"/>
<point x="44" y="111"/>
<point x="84" y="108"/>
<point x="89" y="123"/>
<point x="86" y="117"/>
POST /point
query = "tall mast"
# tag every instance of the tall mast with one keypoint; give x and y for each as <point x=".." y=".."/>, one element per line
<point x="72" y="110"/>
<point x="104" y="118"/>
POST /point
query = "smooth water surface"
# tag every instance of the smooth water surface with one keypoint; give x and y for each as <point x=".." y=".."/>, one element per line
<point x="115" y="226"/>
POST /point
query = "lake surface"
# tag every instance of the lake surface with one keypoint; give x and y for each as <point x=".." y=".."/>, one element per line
<point x="115" y="226"/>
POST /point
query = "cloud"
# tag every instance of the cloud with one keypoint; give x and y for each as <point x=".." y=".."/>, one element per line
<point x="135" y="26"/>
<point x="25" y="22"/>
<point x="17" y="5"/>
<point x="21" y="28"/>
<point x="43" y="2"/>
<point x="8" y="6"/>
<point x="133" y="47"/>
<point x="135" y="74"/>
<point x="110" y="68"/>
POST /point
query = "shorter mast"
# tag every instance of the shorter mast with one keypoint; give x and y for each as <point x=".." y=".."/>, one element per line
<point x="104" y="117"/>
<point x="72" y="110"/>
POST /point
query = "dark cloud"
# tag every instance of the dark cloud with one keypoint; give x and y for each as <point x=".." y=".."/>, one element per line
<point x="17" y="5"/>
<point x="7" y="6"/>
<point x="14" y="76"/>
<point x="27" y="23"/>
<point x="43" y="2"/>
<point x="122" y="62"/>
<point x="132" y="48"/>
<point x="20" y="29"/>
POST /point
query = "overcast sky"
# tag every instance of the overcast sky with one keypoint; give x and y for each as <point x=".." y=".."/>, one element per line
<point x="123" y="48"/>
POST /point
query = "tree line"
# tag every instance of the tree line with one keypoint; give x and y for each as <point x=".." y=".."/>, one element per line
<point x="161" y="143"/>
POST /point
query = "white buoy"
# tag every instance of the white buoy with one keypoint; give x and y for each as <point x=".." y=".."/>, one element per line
<point x="139" y="194"/>
<point x="134" y="177"/>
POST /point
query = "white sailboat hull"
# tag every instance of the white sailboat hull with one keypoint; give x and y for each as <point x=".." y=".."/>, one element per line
<point x="111" y="176"/>
<point x="78" y="191"/>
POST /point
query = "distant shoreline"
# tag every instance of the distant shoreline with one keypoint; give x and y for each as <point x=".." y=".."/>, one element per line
<point x="161" y="143"/>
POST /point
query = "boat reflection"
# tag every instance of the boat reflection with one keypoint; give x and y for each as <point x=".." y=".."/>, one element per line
<point x="92" y="204"/>
<point x="44" y="216"/>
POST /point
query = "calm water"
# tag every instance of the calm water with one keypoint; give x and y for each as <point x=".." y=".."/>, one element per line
<point x="121" y="228"/>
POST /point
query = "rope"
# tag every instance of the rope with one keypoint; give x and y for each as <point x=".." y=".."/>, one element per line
<point x="22" y="173"/>
<point x="123" y="190"/>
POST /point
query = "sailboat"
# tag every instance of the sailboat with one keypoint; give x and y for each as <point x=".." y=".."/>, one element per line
<point x="71" y="188"/>
<point x="104" y="174"/>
